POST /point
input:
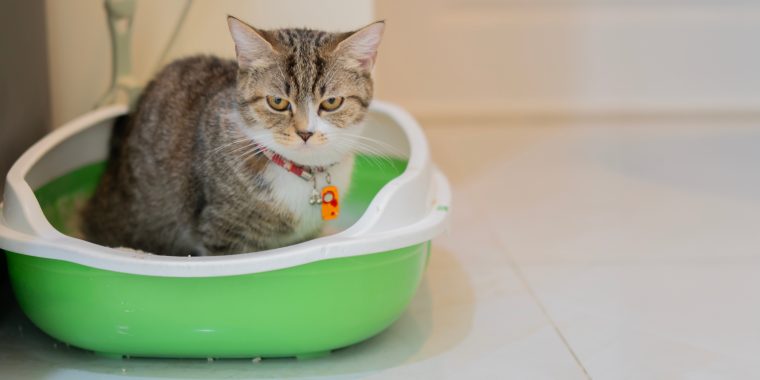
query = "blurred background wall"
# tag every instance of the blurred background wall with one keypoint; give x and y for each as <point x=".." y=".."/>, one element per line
<point x="480" y="60"/>
<point x="24" y="105"/>
<point x="462" y="60"/>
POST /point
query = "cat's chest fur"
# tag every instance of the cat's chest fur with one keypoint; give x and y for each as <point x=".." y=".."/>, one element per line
<point x="292" y="193"/>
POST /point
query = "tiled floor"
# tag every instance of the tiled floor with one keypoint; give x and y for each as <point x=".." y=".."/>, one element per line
<point x="608" y="250"/>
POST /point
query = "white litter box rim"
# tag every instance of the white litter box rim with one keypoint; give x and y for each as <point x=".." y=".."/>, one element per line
<point x="24" y="229"/>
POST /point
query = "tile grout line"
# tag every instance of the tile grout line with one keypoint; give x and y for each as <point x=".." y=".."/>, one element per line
<point x="524" y="281"/>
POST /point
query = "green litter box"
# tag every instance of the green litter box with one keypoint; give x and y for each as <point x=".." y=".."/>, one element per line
<point x="302" y="300"/>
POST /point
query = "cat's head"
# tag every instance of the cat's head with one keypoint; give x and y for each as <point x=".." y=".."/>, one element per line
<point x="304" y="93"/>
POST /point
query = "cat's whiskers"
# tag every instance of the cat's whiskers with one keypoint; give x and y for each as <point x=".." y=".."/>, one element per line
<point x="378" y="158"/>
<point x="377" y="146"/>
<point x="251" y="153"/>
<point x="380" y="144"/>
<point x="239" y="166"/>
<point x="244" y="147"/>
<point x="375" y="155"/>
<point x="238" y="137"/>
<point x="376" y="151"/>
<point x="237" y="141"/>
<point x="246" y="141"/>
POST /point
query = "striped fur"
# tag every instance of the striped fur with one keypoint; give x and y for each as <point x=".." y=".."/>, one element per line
<point x="182" y="177"/>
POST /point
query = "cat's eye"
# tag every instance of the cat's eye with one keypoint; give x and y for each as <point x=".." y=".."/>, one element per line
<point x="277" y="103"/>
<point x="331" y="104"/>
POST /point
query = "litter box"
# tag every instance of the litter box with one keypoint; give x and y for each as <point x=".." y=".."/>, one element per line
<point x="302" y="300"/>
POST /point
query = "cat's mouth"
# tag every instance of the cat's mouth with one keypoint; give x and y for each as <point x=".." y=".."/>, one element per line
<point x="305" y="147"/>
<point x="315" y="144"/>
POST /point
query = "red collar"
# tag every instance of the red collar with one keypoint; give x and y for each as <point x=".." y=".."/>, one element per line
<point x="305" y="172"/>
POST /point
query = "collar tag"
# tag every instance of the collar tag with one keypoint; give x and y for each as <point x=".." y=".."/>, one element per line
<point x="328" y="198"/>
<point x="330" y="203"/>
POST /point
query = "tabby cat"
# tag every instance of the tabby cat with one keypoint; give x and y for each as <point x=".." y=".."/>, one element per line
<point x="197" y="168"/>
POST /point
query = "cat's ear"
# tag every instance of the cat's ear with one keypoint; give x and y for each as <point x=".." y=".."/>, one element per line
<point x="251" y="48"/>
<point x="361" y="45"/>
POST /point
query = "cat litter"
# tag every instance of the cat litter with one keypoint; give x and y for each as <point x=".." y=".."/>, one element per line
<point x="302" y="300"/>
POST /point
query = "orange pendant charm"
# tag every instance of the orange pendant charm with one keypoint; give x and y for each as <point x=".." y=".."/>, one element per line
<point x="330" y="203"/>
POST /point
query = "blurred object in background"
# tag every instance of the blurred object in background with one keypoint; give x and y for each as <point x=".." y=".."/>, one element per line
<point x="494" y="60"/>
<point x="123" y="84"/>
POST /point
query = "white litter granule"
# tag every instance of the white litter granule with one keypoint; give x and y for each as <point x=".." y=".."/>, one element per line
<point x="133" y="251"/>
<point x="256" y="359"/>
<point x="137" y="251"/>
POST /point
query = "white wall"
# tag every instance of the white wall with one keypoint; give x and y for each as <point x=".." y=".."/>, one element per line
<point x="461" y="59"/>
<point x="490" y="59"/>
<point x="79" y="44"/>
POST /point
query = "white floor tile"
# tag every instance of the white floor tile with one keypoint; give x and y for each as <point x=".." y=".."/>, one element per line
<point x="639" y="240"/>
<point x="694" y="311"/>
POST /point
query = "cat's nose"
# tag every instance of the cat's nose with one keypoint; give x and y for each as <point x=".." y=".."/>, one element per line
<point x="305" y="135"/>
